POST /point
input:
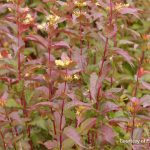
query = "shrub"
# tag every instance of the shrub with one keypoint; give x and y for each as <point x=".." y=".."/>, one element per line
<point x="74" y="75"/>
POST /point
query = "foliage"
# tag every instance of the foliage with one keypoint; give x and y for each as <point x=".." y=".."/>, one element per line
<point x="74" y="74"/>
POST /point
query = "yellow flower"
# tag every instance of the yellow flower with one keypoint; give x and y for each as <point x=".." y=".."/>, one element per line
<point x="27" y="74"/>
<point x="97" y="4"/>
<point x="123" y="98"/>
<point x="42" y="26"/>
<point x="59" y="63"/>
<point x="5" y="44"/>
<point x="9" y="9"/>
<point x="80" y="109"/>
<point x="129" y="124"/>
<point x="131" y="109"/>
<point x="63" y="64"/>
<point x="120" y="6"/>
<point x="135" y="102"/>
<point x="76" y="12"/>
<point x="138" y="124"/>
<point x="28" y="19"/>
<point x="76" y="77"/>
<point x="52" y="19"/>
<point x="68" y="78"/>
<point x="2" y="102"/>
<point x="11" y="1"/>
<point x="80" y="4"/>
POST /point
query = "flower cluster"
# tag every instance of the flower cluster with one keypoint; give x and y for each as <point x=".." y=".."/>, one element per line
<point x="80" y="109"/>
<point x="28" y="19"/>
<point x="138" y="124"/>
<point x="51" y="20"/>
<point x="42" y="26"/>
<point x="63" y="64"/>
<point x="119" y="6"/>
<point x="135" y="105"/>
<point x="78" y="13"/>
<point x="80" y="3"/>
<point x="70" y="78"/>
<point x="11" y="1"/>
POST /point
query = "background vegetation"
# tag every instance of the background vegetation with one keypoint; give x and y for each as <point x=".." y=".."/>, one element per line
<point x="74" y="74"/>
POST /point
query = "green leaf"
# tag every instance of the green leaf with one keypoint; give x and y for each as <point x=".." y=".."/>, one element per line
<point x="87" y="125"/>
<point x="68" y="143"/>
<point x="28" y="95"/>
<point x="69" y="114"/>
<point x="28" y="51"/>
<point x="40" y="71"/>
<point x="19" y="86"/>
<point x="39" y="122"/>
<point x="12" y="103"/>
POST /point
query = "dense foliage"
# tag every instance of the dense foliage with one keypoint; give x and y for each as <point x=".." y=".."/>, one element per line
<point x="74" y="74"/>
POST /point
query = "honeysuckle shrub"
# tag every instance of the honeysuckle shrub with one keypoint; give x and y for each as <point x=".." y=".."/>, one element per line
<point x="74" y="74"/>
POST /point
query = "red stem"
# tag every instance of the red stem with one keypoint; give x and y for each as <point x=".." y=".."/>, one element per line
<point x="133" y="126"/>
<point x="103" y="58"/>
<point x="18" y="36"/>
<point x="23" y="101"/>
<point x="80" y="28"/>
<point x="50" y="89"/>
<point x="10" y="123"/>
<point x="111" y="14"/>
<point x="81" y="46"/>
<point x="137" y="81"/>
<point x="135" y="92"/>
<point x="61" y="117"/>
<point x="89" y="140"/>
<point x="104" y="55"/>
<point x="4" y="144"/>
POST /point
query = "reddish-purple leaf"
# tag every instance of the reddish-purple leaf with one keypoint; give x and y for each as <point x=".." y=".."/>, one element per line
<point x="2" y="118"/>
<point x="118" y="120"/>
<point x="61" y="89"/>
<point x="109" y="95"/>
<point x="137" y="134"/>
<point x="64" y="57"/>
<point x="145" y="100"/>
<point x="43" y="90"/>
<point x="15" y="116"/>
<point x="38" y="39"/>
<point x="44" y="104"/>
<point x="126" y="10"/>
<point x="87" y="125"/>
<point x="146" y="85"/>
<point x="71" y="133"/>
<point x="144" y="118"/>
<point x="57" y="120"/>
<point x="4" y="6"/>
<point x="108" y="134"/>
<point x="93" y="86"/>
<point x="109" y="106"/>
<point x="61" y="44"/>
<point x="80" y="59"/>
<point x="110" y="30"/>
<point x="75" y="103"/>
<point x="125" y="55"/>
<point x="50" y="144"/>
<point x="139" y="146"/>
